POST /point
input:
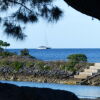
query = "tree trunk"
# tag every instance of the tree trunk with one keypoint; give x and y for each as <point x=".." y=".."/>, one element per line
<point x="88" y="7"/>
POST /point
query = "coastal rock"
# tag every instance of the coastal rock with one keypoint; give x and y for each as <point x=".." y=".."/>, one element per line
<point x="5" y="69"/>
<point x="13" y="92"/>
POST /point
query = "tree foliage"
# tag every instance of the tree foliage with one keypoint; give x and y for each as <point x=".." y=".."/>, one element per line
<point x="24" y="52"/>
<point x="4" y="44"/>
<point x="25" y="11"/>
<point x="29" y="11"/>
<point x="75" y="60"/>
<point x="1" y="43"/>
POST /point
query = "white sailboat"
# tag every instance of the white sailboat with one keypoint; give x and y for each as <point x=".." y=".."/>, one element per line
<point x="44" y="47"/>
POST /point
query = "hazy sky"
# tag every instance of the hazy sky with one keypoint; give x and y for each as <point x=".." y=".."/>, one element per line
<point x="74" y="30"/>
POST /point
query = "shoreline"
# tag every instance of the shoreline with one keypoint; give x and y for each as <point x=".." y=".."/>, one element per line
<point x="32" y="78"/>
<point x="40" y="79"/>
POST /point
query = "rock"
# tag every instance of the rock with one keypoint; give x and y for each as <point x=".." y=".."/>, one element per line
<point x="13" y="92"/>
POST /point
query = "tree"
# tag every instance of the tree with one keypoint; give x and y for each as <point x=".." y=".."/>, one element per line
<point x="26" y="11"/>
<point x="1" y="43"/>
<point x="31" y="10"/>
<point x="5" y="44"/>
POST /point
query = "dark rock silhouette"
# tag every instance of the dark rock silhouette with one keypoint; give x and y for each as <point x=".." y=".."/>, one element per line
<point x="13" y="92"/>
<point x="89" y="7"/>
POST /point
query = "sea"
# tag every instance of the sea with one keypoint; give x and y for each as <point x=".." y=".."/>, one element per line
<point x="92" y="54"/>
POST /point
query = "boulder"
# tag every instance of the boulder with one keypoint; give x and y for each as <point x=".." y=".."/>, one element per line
<point x="13" y="92"/>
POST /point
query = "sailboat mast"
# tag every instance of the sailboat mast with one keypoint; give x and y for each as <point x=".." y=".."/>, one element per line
<point x="45" y="39"/>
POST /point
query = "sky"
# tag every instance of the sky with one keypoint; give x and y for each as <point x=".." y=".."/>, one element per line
<point x="73" y="30"/>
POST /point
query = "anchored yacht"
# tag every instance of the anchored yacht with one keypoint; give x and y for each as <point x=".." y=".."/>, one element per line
<point x="43" y="47"/>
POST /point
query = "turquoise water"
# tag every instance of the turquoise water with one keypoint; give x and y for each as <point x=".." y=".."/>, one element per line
<point x="80" y="91"/>
<point x="61" y="54"/>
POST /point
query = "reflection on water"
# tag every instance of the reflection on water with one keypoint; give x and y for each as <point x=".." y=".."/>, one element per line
<point x="80" y="91"/>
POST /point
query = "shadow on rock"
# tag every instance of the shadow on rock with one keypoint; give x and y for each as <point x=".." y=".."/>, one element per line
<point x="13" y="92"/>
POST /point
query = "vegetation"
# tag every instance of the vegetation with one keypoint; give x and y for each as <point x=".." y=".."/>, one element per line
<point x="77" y="58"/>
<point x="29" y="64"/>
<point x="25" y="64"/>
<point x="26" y="11"/>
<point x="74" y="62"/>
<point x="70" y="66"/>
<point x="36" y="9"/>
<point x="42" y="65"/>
<point x="3" y="44"/>
<point x="17" y="65"/>
<point x="4" y="63"/>
<point x="24" y="52"/>
<point x="1" y="49"/>
<point x="6" y="54"/>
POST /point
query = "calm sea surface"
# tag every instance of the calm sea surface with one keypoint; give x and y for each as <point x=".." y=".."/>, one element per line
<point x="61" y="54"/>
<point x="81" y="91"/>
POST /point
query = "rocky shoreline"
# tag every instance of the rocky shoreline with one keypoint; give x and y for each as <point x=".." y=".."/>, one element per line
<point x="46" y="79"/>
<point x="32" y="78"/>
<point x="45" y="76"/>
<point x="26" y="68"/>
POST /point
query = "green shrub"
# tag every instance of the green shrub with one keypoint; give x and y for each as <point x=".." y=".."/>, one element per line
<point x="1" y="49"/>
<point x="77" y="58"/>
<point x="75" y="61"/>
<point x="69" y="66"/>
<point x="39" y="64"/>
<point x="17" y="65"/>
<point x="24" y="52"/>
<point x="4" y="63"/>
<point x="30" y="64"/>
<point x="46" y="67"/>
<point x="6" y="54"/>
<point x="42" y="65"/>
